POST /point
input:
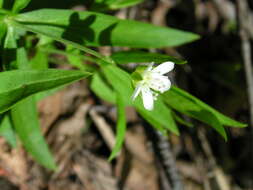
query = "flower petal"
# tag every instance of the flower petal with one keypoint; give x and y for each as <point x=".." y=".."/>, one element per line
<point x="147" y="98"/>
<point x="150" y="66"/>
<point x="136" y="91"/>
<point x="160" y="83"/>
<point x="164" y="68"/>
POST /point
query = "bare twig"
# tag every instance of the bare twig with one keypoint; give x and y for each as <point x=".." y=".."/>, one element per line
<point x="227" y="11"/>
<point x="217" y="172"/>
<point x="244" y="16"/>
<point x="104" y="128"/>
<point x="166" y="158"/>
<point x="168" y="161"/>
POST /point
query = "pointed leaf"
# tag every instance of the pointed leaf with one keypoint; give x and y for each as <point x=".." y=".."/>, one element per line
<point x="19" y="84"/>
<point x="101" y="89"/>
<point x="160" y="117"/>
<point x="187" y="104"/>
<point x="121" y="126"/>
<point x="95" y="29"/>
<point x="6" y="130"/>
<point x="19" y="5"/>
<point x="3" y="30"/>
<point x="198" y="104"/>
<point x="26" y="123"/>
<point x="123" y="57"/>
<point x="99" y="5"/>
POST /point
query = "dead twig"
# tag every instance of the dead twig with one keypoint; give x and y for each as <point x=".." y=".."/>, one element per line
<point x="162" y="149"/>
<point x="244" y="16"/>
<point x="216" y="171"/>
<point x="104" y="128"/>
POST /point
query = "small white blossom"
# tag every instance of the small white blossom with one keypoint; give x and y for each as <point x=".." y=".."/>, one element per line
<point x="153" y="81"/>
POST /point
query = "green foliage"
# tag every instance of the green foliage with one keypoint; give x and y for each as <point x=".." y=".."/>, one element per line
<point x="6" y="130"/>
<point x="26" y="123"/>
<point x="19" y="84"/>
<point x="95" y="29"/>
<point x="3" y="30"/>
<point x="19" y="5"/>
<point x="162" y="117"/>
<point x="124" y="57"/>
<point x="121" y="126"/>
<point x="26" y="77"/>
<point x="102" y="90"/>
<point x="189" y="105"/>
<point x="101" y="5"/>
<point x="120" y="80"/>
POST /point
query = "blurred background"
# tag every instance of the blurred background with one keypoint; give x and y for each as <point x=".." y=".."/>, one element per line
<point x="76" y="123"/>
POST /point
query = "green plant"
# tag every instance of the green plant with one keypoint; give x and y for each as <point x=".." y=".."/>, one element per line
<point x="24" y="78"/>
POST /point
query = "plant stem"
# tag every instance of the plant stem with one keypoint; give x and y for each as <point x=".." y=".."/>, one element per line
<point x="64" y="41"/>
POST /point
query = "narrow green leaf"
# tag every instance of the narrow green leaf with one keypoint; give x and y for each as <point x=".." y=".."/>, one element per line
<point x="3" y="30"/>
<point x="120" y="80"/>
<point x="224" y="120"/>
<point x="95" y="29"/>
<point x="103" y="5"/>
<point x="152" y="120"/>
<point x="26" y="122"/>
<point x="118" y="4"/>
<point x="76" y="58"/>
<point x="124" y="57"/>
<point x="121" y="126"/>
<point x="25" y="119"/>
<point x="19" y="84"/>
<point x="40" y="60"/>
<point x="10" y="46"/>
<point x="22" y="60"/>
<point x="13" y="34"/>
<point x="101" y="89"/>
<point x="6" y="130"/>
<point x="160" y="117"/>
<point x="181" y="120"/>
<point x="187" y="104"/>
<point x="19" y="5"/>
<point x="61" y="39"/>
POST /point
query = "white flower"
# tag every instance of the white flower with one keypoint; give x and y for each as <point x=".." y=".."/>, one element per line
<point x="153" y="81"/>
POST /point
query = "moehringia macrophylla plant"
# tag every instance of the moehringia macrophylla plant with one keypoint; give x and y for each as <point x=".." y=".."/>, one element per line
<point x="150" y="81"/>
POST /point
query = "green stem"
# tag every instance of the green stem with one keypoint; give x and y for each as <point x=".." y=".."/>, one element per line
<point x="78" y="46"/>
<point x="5" y="12"/>
<point x="84" y="57"/>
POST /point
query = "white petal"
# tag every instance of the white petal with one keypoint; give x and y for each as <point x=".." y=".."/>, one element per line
<point x="136" y="91"/>
<point x="147" y="98"/>
<point x="164" y="68"/>
<point x="160" y="83"/>
<point x="150" y="66"/>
